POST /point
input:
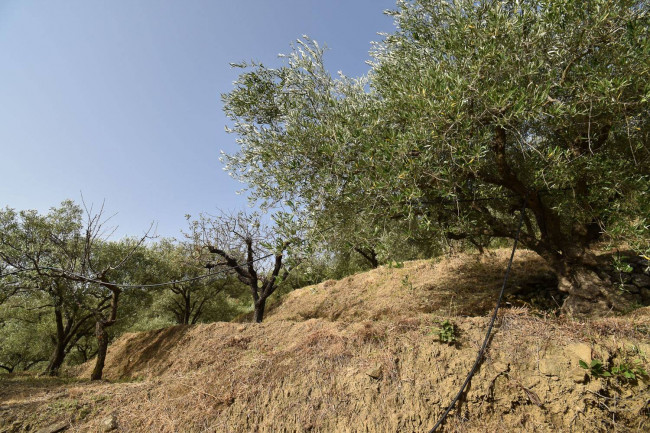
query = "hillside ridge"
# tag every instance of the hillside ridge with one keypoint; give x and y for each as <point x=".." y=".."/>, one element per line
<point x="363" y="354"/>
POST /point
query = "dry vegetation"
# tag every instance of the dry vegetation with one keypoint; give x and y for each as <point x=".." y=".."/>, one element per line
<point x="463" y="285"/>
<point x="360" y="355"/>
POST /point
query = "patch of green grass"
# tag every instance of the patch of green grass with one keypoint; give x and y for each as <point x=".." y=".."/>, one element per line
<point x="406" y="283"/>
<point x="64" y="405"/>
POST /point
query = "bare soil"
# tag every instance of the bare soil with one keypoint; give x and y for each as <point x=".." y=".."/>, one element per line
<point x="363" y="355"/>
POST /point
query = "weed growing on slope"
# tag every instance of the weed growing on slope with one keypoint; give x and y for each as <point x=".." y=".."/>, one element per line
<point x="446" y="332"/>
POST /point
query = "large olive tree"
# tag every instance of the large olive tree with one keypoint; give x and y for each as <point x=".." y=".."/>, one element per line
<point x="542" y="102"/>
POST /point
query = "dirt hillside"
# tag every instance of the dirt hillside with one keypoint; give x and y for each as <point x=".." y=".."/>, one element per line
<point x="363" y="354"/>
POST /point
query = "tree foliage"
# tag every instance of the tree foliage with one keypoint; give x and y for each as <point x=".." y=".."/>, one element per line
<point x="200" y="297"/>
<point x="470" y="110"/>
<point x="21" y="319"/>
<point x="64" y="258"/>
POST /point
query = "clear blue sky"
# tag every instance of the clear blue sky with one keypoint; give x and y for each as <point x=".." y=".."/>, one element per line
<point x="120" y="99"/>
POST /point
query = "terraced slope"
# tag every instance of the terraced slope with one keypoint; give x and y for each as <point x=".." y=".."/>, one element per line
<point x="363" y="355"/>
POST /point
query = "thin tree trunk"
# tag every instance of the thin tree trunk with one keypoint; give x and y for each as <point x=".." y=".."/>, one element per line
<point x="477" y="244"/>
<point x="56" y="359"/>
<point x="187" y="311"/>
<point x="259" y="310"/>
<point x="102" y="348"/>
<point x="199" y="311"/>
<point x="58" y="355"/>
<point x="100" y="331"/>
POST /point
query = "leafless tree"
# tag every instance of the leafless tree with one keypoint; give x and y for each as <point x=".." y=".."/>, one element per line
<point x="256" y="253"/>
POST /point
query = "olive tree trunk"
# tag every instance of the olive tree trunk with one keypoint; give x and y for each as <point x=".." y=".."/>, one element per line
<point x="102" y="348"/>
<point x="100" y="331"/>
<point x="259" y="310"/>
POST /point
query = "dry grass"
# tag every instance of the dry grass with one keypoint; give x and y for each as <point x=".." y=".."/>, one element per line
<point x="360" y="355"/>
<point x="463" y="285"/>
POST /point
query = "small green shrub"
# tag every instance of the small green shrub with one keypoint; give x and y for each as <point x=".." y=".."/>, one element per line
<point x="627" y="371"/>
<point x="596" y="368"/>
<point x="406" y="283"/>
<point x="446" y="332"/>
<point x="621" y="265"/>
<point x="630" y="372"/>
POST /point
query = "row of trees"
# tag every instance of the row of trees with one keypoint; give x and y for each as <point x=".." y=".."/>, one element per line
<point x="66" y="289"/>
<point x="64" y="284"/>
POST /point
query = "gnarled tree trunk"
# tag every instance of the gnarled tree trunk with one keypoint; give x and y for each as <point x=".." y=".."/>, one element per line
<point x="58" y="354"/>
<point x="595" y="288"/>
<point x="66" y="334"/>
<point x="56" y="359"/>
<point x="588" y="292"/>
<point x="100" y="329"/>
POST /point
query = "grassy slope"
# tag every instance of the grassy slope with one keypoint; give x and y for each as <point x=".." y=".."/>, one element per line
<point x="359" y="355"/>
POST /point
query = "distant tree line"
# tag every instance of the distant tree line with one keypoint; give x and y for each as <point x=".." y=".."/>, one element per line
<point x="67" y="289"/>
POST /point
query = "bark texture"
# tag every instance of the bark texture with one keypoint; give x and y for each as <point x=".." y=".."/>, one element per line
<point x="102" y="348"/>
<point x="599" y="288"/>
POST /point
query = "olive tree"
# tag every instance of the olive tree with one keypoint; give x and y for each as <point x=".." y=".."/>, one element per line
<point x="22" y="318"/>
<point x="471" y="109"/>
<point x="196" y="296"/>
<point x="261" y="256"/>
<point x="65" y="255"/>
<point x="30" y="245"/>
<point x="540" y="101"/>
